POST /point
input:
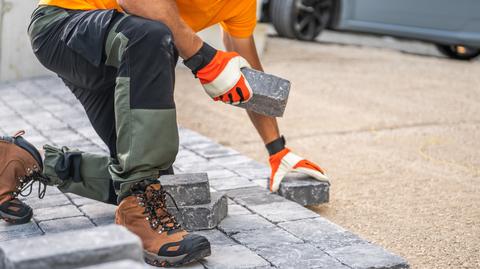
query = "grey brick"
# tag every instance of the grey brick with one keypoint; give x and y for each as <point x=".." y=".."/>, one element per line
<point x="56" y="212"/>
<point x="253" y="172"/>
<point x="230" y="183"/>
<point x="322" y="232"/>
<point x="229" y="160"/>
<point x="67" y="224"/>
<point x="206" y="216"/>
<point x="253" y="196"/>
<point x="230" y="257"/>
<point x="220" y="173"/>
<point x="366" y="256"/>
<point x="47" y="201"/>
<point x="234" y="209"/>
<point x="282" y="211"/>
<point x="265" y="237"/>
<point x="10" y="232"/>
<point x="304" y="189"/>
<point x="125" y="264"/>
<point x="77" y="248"/>
<point x="187" y="189"/>
<point x="100" y="213"/>
<point x="216" y="151"/>
<point x="298" y="256"/>
<point x="217" y="238"/>
<point x="79" y="200"/>
<point x="270" y="93"/>
<point x="241" y="223"/>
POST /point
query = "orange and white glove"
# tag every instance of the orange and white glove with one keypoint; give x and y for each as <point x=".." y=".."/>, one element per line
<point x="220" y="74"/>
<point x="285" y="161"/>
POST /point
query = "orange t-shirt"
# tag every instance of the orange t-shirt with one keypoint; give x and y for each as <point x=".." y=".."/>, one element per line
<point x="237" y="17"/>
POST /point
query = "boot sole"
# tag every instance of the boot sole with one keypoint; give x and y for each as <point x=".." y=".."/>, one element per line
<point x="15" y="219"/>
<point x="200" y="252"/>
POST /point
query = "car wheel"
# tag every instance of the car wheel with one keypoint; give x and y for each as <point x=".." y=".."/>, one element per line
<point x="458" y="52"/>
<point x="301" y="19"/>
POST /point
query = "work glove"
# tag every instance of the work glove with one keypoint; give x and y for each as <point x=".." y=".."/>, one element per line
<point x="285" y="161"/>
<point x="220" y="74"/>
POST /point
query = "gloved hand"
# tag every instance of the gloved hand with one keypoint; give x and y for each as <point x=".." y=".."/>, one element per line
<point x="285" y="161"/>
<point x="220" y="74"/>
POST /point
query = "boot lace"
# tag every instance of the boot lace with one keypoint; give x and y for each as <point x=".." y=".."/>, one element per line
<point x="25" y="187"/>
<point x="154" y="202"/>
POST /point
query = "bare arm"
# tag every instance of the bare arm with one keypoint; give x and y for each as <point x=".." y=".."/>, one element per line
<point x="166" y="11"/>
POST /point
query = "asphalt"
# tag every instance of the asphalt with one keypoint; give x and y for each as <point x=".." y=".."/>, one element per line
<point x="396" y="126"/>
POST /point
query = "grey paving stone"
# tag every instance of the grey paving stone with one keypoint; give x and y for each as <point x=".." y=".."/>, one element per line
<point x="79" y="200"/>
<point x="282" y="211"/>
<point x="265" y="237"/>
<point x="232" y="257"/>
<point x="241" y="223"/>
<point x="125" y="264"/>
<point x="367" y="256"/>
<point x="253" y="172"/>
<point x="201" y="217"/>
<point x="231" y="183"/>
<point x="216" y="237"/>
<point x="304" y="189"/>
<point x="187" y="189"/>
<point x="99" y="213"/>
<point x="56" y="212"/>
<point x="298" y="256"/>
<point x="220" y="173"/>
<point x="69" y="249"/>
<point x="216" y="151"/>
<point x="253" y="196"/>
<point x="322" y="233"/>
<point x="229" y="160"/>
<point x="270" y="93"/>
<point x="47" y="201"/>
<point x="235" y="209"/>
<point x="67" y="224"/>
<point x="11" y="232"/>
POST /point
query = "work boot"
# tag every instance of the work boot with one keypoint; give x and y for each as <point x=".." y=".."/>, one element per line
<point x="165" y="242"/>
<point x="20" y="166"/>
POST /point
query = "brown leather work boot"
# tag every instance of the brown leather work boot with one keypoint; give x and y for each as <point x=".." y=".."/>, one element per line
<point x="20" y="166"/>
<point x="165" y="242"/>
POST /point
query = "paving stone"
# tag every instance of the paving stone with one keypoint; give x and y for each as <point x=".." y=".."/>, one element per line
<point x="304" y="189"/>
<point x="230" y="183"/>
<point x="67" y="224"/>
<point x="56" y="212"/>
<point x="270" y="93"/>
<point x="125" y="264"/>
<point x="187" y="189"/>
<point x="201" y="217"/>
<point x="235" y="209"/>
<point x="69" y="249"/>
<point x="217" y="238"/>
<point x="367" y="256"/>
<point x="216" y="151"/>
<point x="231" y="257"/>
<point x="220" y="174"/>
<point x="10" y="231"/>
<point x="322" y="233"/>
<point x="79" y="200"/>
<point x="229" y="160"/>
<point x="100" y="213"/>
<point x="241" y="223"/>
<point x="265" y="237"/>
<point x="253" y="173"/>
<point x="282" y="211"/>
<point x="298" y="256"/>
<point x="47" y="201"/>
<point x="253" y="196"/>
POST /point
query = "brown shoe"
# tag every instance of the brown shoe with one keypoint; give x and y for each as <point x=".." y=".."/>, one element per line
<point x="165" y="242"/>
<point x="20" y="166"/>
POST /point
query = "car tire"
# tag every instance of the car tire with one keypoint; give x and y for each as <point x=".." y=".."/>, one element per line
<point x="301" y="19"/>
<point x="458" y="52"/>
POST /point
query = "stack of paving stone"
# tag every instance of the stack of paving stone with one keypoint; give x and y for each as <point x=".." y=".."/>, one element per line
<point x="198" y="207"/>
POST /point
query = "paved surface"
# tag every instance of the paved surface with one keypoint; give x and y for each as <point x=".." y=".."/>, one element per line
<point x="262" y="230"/>
<point x="399" y="134"/>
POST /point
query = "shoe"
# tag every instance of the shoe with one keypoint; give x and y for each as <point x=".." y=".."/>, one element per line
<point x="165" y="242"/>
<point x="285" y="161"/>
<point x="20" y="166"/>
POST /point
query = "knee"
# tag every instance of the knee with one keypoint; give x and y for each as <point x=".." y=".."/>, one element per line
<point x="156" y="38"/>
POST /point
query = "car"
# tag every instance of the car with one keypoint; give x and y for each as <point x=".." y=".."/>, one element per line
<point x="453" y="26"/>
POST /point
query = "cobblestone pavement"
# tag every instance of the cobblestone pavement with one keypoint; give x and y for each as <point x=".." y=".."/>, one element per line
<point x="262" y="230"/>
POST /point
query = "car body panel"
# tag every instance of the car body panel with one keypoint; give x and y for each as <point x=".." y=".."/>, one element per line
<point x="439" y="21"/>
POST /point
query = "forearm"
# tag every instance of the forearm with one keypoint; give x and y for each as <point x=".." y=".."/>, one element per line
<point x="166" y="11"/>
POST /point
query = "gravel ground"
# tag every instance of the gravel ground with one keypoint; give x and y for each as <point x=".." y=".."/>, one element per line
<point x="399" y="134"/>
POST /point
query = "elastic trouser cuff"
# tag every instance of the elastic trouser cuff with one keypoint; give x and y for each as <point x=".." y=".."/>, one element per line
<point x="276" y="145"/>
